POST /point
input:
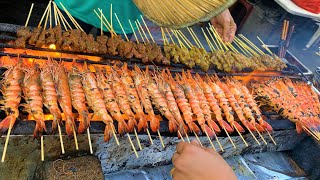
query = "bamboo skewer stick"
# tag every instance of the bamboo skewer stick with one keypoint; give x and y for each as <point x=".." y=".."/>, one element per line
<point x="194" y="34"/>
<point x="140" y="32"/>
<point x="160" y="139"/>
<point x="64" y="25"/>
<point x="132" y="145"/>
<point x="138" y="140"/>
<point x="170" y="35"/>
<point x="251" y="44"/>
<point x="6" y="143"/>
<point x="245" y="142"/>
<point x="134" y="33"/>
<point x="179" y="41"/>
<point x="111" y="15"/>
<point x="216" y="137"/>
<point x="210" y="141"/>
<point x="187" y="138"/>
<point x="274" y="142"/>
<point x="55" y="16"/>
<point x="101" y="19"/>
<point x="125" y="35"/>
<point x="75" y="23"/>
<point x="44" y="14"/>
<point x="195" y="134"/>
<point x="164" y="37"/>
<point x="101" y="25"/>
<point x="30" y="11"/>
<point x="216" y="34"/>
<point x="112" y="31"/>
<point x="240" y="44"/>
<point x="75" y="138"/>
<point x="115" y="136"/>
<point x="61" y="139"/>
<point x="148" y="132"/>
<point x="47" y="16"/>
<point x="181" y="136"/>
<point x="184" y="38"/>
<point x="50" y="16"/>
<point x="185" y="42"/>
<point x="264" y="45"/>
<point x="234" y="146"/>
<point x="144" y="33"/>
<point x="145" y="24"/>
<point x="194" y="39"/>
<point x="42" y="148"/>
<point x="89" y="141"/>
<point x="244" y="52"/>
<point x="208" y="41"/>
<point x="265" y="142"/>
<point x="253" y="136"/>
<point x="212" y="38"/>
<point x="63" y="18"/>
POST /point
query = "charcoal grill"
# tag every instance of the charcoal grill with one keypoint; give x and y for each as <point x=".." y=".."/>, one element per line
<point x="282" y="127"/>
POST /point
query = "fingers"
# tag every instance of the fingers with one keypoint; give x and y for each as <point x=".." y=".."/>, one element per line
<point x="232" y="32"/>
<point x="226" y="27"/>
<point x="181" y="146"/>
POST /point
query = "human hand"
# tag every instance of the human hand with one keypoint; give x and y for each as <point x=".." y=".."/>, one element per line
<point x="225" y="25"/>
<point x="193" y="162"/>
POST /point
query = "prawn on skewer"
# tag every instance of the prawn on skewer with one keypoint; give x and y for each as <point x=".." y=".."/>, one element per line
<point x="78" y="98"/>
<point x="234" y="104"/>
<point x="160" y="102"/>
<point x="194" y="103"/>
<point x="141" y="86"/>
<point x="239" y="96"/>
<point x="133" y="97"/>
<point x="64" y="97"/>
<point x="50" y="96"/>
<point x="171" y="102"/>
<point x="122" y="100"/>
<point x="253" y="105"/>
<point x="182" y="102"/>
<point x="224" y="104"/>
<point x="213" y="103"/>
<point x="110" y="100"/>
<point x="11" y="91"/>
<point x="204" y="104"/>
<point x="95" y="100"/>
<point x="32" y="93"/>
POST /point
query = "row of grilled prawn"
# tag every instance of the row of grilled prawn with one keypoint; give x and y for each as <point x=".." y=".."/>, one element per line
<point x="121" y="91"/>
<point x="295" y="101"/>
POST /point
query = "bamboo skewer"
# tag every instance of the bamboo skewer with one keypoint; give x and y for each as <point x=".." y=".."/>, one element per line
<point x="195" y="134"/>
<point x="164" y="37"/>
<point x="134" y="33"/>
<point x="140" y="32"/>
<point x="30" y="11"/>
<point x="148" y="132"/>
<point x="218" y="37"/>
<point x="185" y="42"/>
<point x="111" y="15"/>
<point x="145" y="24"/>
<point x="101" y="19"/>
<point x="106" y="20"/>
<point x="253" y="136"/>
<point x="210" y="141"/>
<point x="50" y="16"/>
<point x="181" y="136"/>
<point x="138" y="140"/>
<point x="245" y="142"/>
<point x="89" y="141"/>
<point x="47" y="16"/>
<point x="184" y="38"/>
<point x="6" y="143"/>
<point x="144" y="33"/>
<point x="208" y="41"/>
<point x="170" y="35"/>
<point x="101" y="25"/>
<point x="216" y="137"/>
<point x="234" y="146"/>
<point x="179" y="41"/>
<point x="274" y="142"/>
<point x="132" y="145"/>
<point x="44" y="14"/>
<point x="75" y="23"/>
<point x="214" y="41"/>
<point x="120" y="26"/>
<point x="64" y="25"/>
<point x="42" y="148"/>
<point x="63" y="18"/>
<point x="61" y="139"/>
<point x="160" y="139"/>
<point x="264" y="45"/>
<point x="251" y="44"/>
<point x="75" y="138"/>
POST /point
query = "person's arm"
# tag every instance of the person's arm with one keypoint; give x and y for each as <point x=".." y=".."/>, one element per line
<point x="193" y="162"/>
<point x="225" y="25"/>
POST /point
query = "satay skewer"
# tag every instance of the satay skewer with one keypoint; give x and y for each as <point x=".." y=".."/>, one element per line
<point x="216" y="34"/>
<point x="111" y="15"/>
<point x="47" y="16"/>
<point x="241" y="46"/>
<point x="177" y="37"/>
<point x="63" y="18"/>
<point x="245" y="46"/>
<point x="124" y="33"/>
<point x="112" y="31"/>
<point x="50" y="16"/>
<point x="170" y="36"/>
<point x="59" y="17"/>
<point x="184" y="38"/>
<point x="101" y="25"/>
<point x="194" y="38"/>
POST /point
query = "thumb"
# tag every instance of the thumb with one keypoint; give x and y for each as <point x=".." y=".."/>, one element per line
<point x="226" y="27"/>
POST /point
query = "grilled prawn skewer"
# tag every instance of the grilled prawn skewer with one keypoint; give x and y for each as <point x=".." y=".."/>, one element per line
<point x="95" y="100"/>
<point x="104" y="85"/>
<point x="140" y="80"/>
<point x="11" y="91"/>
<point x="50" y="96"/>
<point x="32" y="92"/>
<point x="78" y="98"/>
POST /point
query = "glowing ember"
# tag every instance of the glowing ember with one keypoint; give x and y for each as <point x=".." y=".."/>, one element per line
<point x="52" y="46"/>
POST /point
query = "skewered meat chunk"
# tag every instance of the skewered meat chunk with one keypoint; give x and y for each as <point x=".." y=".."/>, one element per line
<point x="112" y="44"/>
<point x="35" y="34"/>
<point x="102" y="41"/>
<point x="41" y="39"/>
<point x="58" y="34"/>
<point x="51" y="37"/>
<point x="92" y="45"/>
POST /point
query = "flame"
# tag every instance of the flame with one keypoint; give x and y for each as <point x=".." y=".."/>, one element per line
<point x="256" y="76"/>
<point x="52" y="46"/>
